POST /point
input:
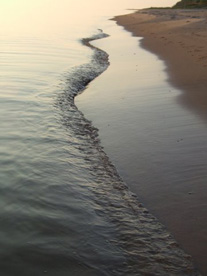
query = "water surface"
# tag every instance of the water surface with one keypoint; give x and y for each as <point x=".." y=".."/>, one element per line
<point x="64" y="208"/>
<point x="156" y="143"/>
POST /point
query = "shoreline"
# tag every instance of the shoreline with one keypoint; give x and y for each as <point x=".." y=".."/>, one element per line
<point x="178" y="38"/>
<point x="162" y="233"/>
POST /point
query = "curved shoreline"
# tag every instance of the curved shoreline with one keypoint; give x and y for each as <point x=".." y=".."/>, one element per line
<point x="178" y="37"/>
<point x="156" y="231"/>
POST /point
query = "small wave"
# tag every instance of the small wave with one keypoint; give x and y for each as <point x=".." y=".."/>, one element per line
<point x="146" y="246"/>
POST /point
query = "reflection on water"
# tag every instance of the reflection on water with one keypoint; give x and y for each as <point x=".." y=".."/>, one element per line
<point x="195" y="99"/>
<point x="64" y="209"/>
<point x="157" y="145"/>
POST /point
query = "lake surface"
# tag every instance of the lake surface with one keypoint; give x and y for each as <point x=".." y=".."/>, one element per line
<point x="155" y="134"/>
<point x="64" y="208"/>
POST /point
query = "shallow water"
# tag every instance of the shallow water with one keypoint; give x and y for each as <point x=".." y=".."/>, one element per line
<point x="64" y="209"/>
<point x="156" y="143"/>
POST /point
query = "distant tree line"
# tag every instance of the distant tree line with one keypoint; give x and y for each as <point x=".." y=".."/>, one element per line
<point x="186" y="4"/>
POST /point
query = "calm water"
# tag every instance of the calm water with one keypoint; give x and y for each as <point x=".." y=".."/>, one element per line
<point x="64" y="209"/>
<point x="155" y="134"/>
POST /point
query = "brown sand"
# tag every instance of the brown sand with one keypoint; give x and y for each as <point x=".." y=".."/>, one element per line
<point x="179" y="37"/>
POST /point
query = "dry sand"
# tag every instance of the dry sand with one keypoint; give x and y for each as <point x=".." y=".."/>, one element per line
<point x="179" y="38"/>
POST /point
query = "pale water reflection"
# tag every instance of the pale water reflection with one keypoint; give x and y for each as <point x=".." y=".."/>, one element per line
<point x="64" y="209"/>
<point x="62" y="16"/>
<point x="157" y="145"/>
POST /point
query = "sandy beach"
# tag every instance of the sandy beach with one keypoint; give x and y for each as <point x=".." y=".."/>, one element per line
<point x="179" y="38"/>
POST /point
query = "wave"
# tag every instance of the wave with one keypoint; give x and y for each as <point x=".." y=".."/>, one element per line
<point x="139" y="244"/>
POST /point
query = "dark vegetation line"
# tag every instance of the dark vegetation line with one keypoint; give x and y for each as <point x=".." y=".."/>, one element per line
<point x="188" y="4"/>
<point x="191" y="4"/>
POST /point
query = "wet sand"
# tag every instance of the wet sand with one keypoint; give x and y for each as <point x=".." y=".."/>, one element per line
<point x="179" y="38"/>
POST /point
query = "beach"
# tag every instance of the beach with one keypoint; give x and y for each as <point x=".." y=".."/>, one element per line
<point x="150" y="109"/>
<point x="103" y="170"/>
<point x="179" y="37"/>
